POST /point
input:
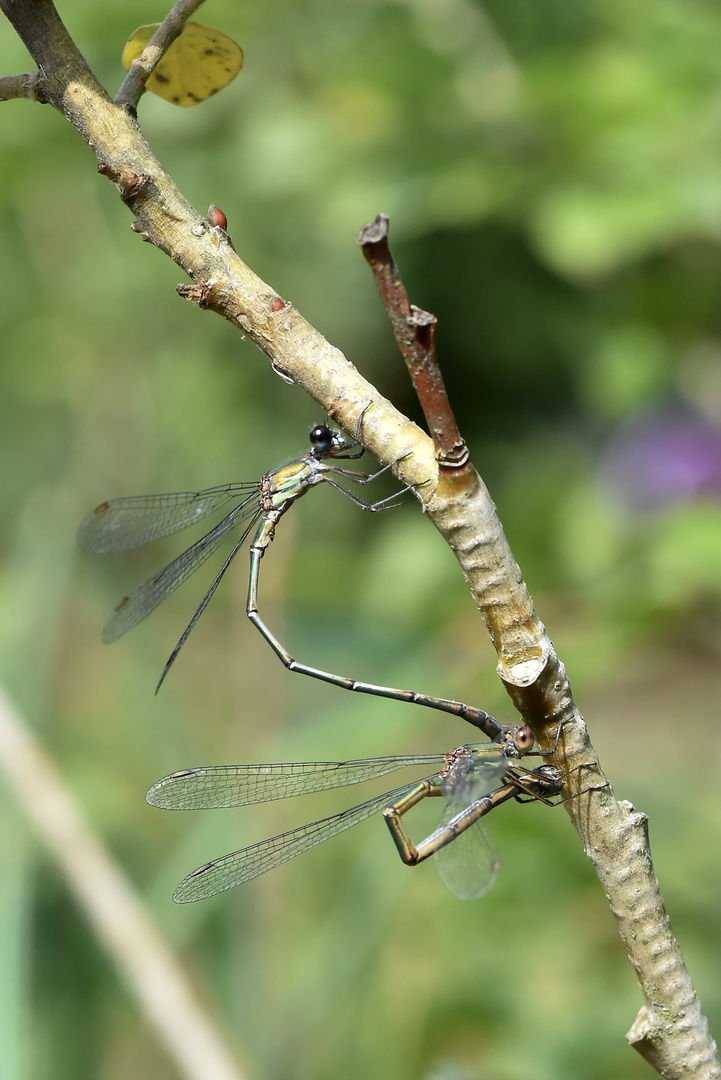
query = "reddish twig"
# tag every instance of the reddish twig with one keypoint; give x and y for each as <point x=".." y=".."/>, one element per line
<point x="414" y="331"/>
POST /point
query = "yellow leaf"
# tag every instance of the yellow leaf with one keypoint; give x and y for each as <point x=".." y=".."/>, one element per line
<point x="199" y="63"/>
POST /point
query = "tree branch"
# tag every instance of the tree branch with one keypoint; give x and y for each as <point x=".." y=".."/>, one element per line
<point x="27" y="86"/>
<point x="414" y="331"/>
<point x="671" y="1031"/>
<point x="133" y="86"/>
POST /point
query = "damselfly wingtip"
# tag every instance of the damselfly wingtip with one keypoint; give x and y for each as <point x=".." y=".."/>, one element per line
<point x="190" y="889"/>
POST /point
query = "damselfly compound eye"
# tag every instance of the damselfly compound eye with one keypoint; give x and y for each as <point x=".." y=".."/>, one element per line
<point x="321" y="437"/>
<point x="524" y="740"/>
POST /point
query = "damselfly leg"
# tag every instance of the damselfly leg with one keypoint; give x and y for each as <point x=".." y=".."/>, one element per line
<point x="469" y="868"/>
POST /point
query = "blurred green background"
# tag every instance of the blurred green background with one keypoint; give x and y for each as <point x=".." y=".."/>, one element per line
<point x="552" y="172"/>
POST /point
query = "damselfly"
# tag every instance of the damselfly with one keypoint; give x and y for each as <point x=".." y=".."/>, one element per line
<point x="466" y="778"/>
<point x="120" y="524"/>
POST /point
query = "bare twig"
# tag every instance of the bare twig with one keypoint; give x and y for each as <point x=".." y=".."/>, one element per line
<point x="414" y="331"/>
<point x="27" y="86"/>
<point x="112" y="907"/>
<point x="671" y="1031"/>
<point x="133" y="85"/>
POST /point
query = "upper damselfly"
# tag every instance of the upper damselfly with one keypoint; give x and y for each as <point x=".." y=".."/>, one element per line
<point x="121" y="524"/>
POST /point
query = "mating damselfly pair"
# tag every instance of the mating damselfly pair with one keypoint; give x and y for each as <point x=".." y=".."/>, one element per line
<point x="474" y="779"/>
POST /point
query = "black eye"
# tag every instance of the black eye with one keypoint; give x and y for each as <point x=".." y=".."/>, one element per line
<point x="321" y="437"/>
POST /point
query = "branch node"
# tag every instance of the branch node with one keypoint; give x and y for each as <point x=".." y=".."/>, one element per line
<point x="454" y="459"/>
<point x="421" y="319"/>
<point x="197" y="294"/>
<point x="30" y="85"/>
<point x="527" y="670"/>
<point x="129" y="184"/>
<point x="138" y="228"/>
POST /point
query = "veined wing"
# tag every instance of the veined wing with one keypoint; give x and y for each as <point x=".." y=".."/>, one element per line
<point x="468" y="866"/>
<point x="472" y="772"/>
<point x="145" y="598"/>
<point x="127" y="523"/>
<point x="241" y="785"/>
<point x="251" y="862"/>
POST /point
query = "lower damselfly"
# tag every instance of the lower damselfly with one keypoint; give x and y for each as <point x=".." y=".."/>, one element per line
<point x="468" y="778"/>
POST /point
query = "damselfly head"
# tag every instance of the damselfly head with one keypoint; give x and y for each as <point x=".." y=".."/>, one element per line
<point x="322" y="437"/>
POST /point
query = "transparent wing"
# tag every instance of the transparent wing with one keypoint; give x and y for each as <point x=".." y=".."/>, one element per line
<point x="133" y="608"/>
<point x="468" y="866"/>
<point x="127" y="523"/>
<point x="251" y="862"/>
<point x="471" y="776"/>
<point x="241" y="785"/>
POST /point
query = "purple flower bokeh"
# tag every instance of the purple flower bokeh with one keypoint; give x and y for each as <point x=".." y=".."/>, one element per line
<point x="662" y="457"/>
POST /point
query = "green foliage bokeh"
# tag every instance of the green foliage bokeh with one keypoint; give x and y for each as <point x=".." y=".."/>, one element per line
<point x="551" y="172"/>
